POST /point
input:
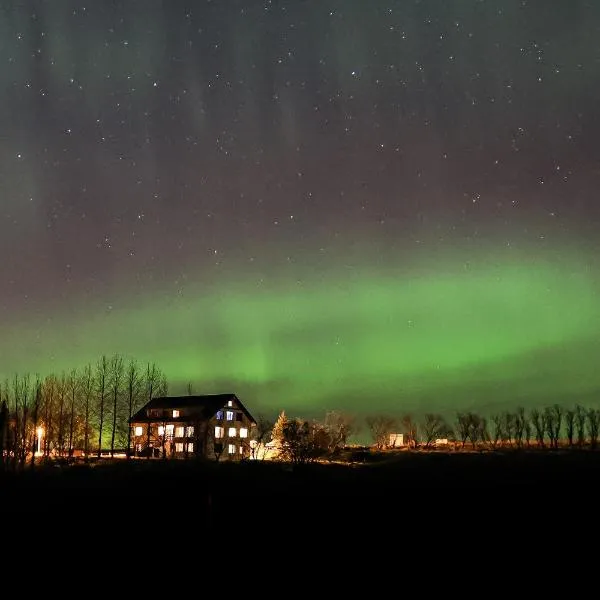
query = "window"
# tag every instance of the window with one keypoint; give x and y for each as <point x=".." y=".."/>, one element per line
<point x="219" y="432"/>
<point x="241" y="450"/>
<point x="230" y="403"/>
<point x="232" y="432"/>
<point x="230" y="415"/>
<point x="161" y="430"/>
<point x="189" y="431"/>
<point x="239" y="416"/>
<point x="170" y="429"/>
<point x="179" y="447"/>
<point x="190" y="447"/>
<point x="243" y="432"/>
<point x="231" y="448"/>
<point x="175" y="414"/>
<point x="218" y="447"/>
<point x="179" y="431"/>
<point x="139" y="430"/>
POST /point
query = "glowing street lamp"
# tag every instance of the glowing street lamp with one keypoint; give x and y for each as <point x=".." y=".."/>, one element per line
<point x="39" y="434"/>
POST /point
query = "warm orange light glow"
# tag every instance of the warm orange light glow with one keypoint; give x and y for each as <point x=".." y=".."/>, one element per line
<point x="39" y="434"/>
<point x="139" y="430"/>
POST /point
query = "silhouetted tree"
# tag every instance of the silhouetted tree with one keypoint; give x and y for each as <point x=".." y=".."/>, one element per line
<point x="102" y="374"/>
<point x="381" y="427"/>
<point x="580" y="419"/>
<point x="508" y="427"/>
<point x="553" y="421"/>
<point x="73" y="383"/>
<point x="339" y="427"/>
<point x="434" y="427"/>
<point x="497" y="431"/>
<point x="259" y="436"/>
<point x="116" y="381"/>
<point x="593" y="417"/>
<point x="410" y="430"/>
<point x="539" y="425"/>
<point x="570" y="425"/>
<point x="87" y="391"/>
<point x="463" y="425"/>
<point x="519" y="422"/>
<point x="133" y="383"/>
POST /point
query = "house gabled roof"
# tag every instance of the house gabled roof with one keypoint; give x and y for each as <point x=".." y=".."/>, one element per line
<point x="208" y="406"/>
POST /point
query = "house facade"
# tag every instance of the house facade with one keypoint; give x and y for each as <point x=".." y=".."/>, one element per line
<point x="217" y="426"/>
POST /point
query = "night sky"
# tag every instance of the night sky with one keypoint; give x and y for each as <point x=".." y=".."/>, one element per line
<point x="368" y="205"/>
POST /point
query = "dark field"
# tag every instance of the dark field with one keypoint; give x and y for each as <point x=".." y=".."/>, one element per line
<point x="408" y="487"/>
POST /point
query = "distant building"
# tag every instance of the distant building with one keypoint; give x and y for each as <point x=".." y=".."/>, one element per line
<point x="396" y="440"/>
<point x="214" y="426"/>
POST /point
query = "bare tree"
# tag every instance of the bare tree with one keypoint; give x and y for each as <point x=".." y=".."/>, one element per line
<point x="260" y="434"/>
<point x="116" y="381"/>
<point x="340" y="427"/>
<point x="463" y="425"/>
<point x="3" y="431"/>
<point x="87" y="390"/>
<point x="48" y="394"/>
<point x="508" y="427"/>
<point x="497" y="429"/>
<point x="299" y="442"/>
<point x="73" y="391"/>
<point x="151" y="387"/>
<point x="553" y="421"/>
<point x="570" y="425"/>
<point x="381" y="427"/>
<point x="593" y="416"/>
<point x="61" y="392"/>
<point x="519" y="425"/>
<point x="409" y="426"/>
<point x="434" y="427"/>
<point x="539" y="424"/>
<point x="580" y="419"/>
<point x="36" y="445"/>
<point x="133" y="384"/>
<point x="102" y="374"/>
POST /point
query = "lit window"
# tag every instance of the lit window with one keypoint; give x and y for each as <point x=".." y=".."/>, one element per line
<point x="219" y="432"/>
<point x="190" y="447"/>
<point x="179" y="431"/>
<point x="219" y="415"/>
<point x="243" y="432"/>
<point x="231" y="449"/>
<point x="139" y="431"/>
<point x="170" y="429"/>
<point x="190" y="431"/>
<point x="230" y="403"/>
<point x="161" y="430"/>
<point x="241" y="450"/>
<point x="232" y="432"/>
<point x="175" y="414"/>
<point x="230" y="415"/>
<point x="179" y="447"/>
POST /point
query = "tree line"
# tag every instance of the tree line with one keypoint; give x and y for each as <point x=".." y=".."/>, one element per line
<point x="299" y="441"/>
<point x="546" y="427"/>
<point x="82" y="411"/>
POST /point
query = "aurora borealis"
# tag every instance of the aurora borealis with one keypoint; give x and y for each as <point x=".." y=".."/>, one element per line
<point x="372" y="206"/>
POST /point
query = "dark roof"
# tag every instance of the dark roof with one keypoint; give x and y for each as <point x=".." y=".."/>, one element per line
<point x="208" y="405"/>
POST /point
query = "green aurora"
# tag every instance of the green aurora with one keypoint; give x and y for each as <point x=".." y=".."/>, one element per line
<point x="441" y="335"/>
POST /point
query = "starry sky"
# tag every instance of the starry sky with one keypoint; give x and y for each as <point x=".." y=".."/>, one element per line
<point x="337" y="204"/>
